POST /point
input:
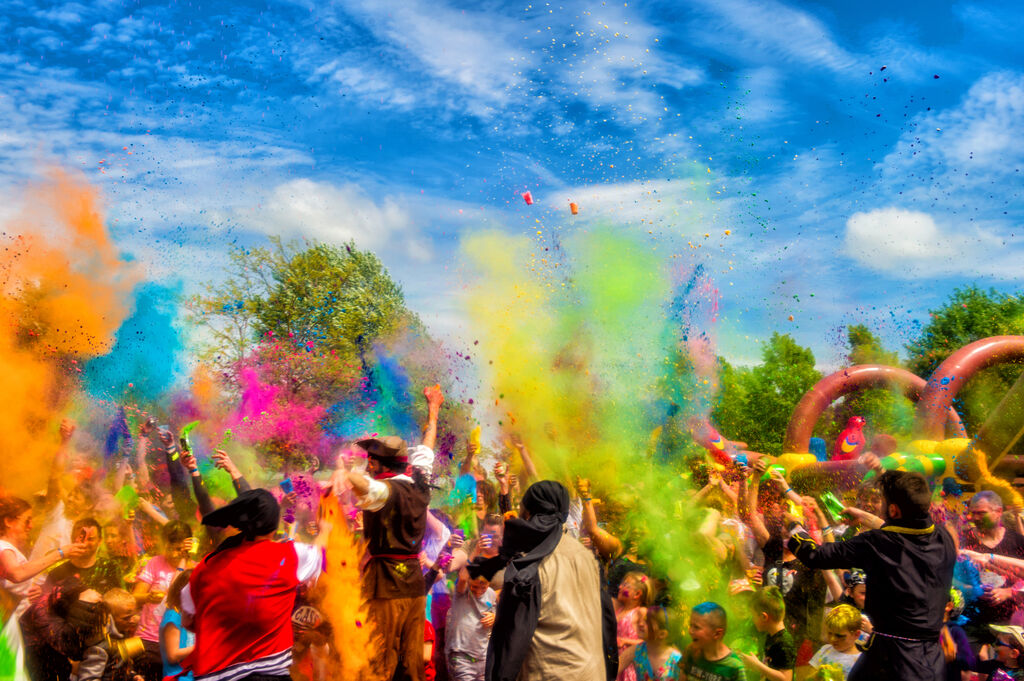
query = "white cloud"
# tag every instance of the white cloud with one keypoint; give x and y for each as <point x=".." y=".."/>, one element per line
<point x="772" y="31"/>
<point x="910" y="244"/>
<point x="337" y="213"/>
<point x="974" y="144"/>
<point x="463" y="48"/>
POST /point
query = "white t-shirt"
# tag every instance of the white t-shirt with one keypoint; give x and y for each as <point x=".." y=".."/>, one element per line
<point x="829" y="655"/>
<point x="16" y="588"/>
<point x="56" y="532"/>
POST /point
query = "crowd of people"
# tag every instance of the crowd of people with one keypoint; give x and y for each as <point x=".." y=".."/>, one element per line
<point x="133" y="570"/>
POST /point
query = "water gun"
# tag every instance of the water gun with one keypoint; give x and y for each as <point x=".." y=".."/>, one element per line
<point x="834" y="507"/>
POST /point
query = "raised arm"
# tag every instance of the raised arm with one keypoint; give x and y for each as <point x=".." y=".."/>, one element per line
<point x="435" y="399"/>
<point x="222" y="461"/>
<point x="748" y="508"/>
<point x="607" y="544"/>
<point x="529" y="469"/>
<point x="60" y="462"/>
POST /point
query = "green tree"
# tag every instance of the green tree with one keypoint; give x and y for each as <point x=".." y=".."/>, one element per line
<point x="755" y="404"/>
<point x="339" y="299"/>
<point x="970" y="314"/>
<point x="887" y="410"/>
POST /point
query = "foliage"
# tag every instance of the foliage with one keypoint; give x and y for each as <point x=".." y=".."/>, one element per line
<point x="886" y="410"/>
<point x="755" y="403"/>
<point x="340" y="299"/>
<point x="970" y="314"/>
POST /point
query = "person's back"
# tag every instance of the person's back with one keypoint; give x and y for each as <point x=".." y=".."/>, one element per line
<point x="243" y="599"/>
<point x="567" y="643"/>
<point x="908" y="564"/>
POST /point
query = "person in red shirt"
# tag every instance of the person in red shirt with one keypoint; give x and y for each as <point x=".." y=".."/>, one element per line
<point x="240" y="598"/>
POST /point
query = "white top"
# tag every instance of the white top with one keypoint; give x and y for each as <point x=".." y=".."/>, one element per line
<point x="829" y="655"/>
<point x="16" y="588"/>
<point x="420" y="457"/>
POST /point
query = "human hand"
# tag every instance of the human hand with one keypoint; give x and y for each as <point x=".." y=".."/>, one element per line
<point x="156" y="596"/>
<point x="513" y="482"/>
<point x="871" y="462"/>
<point x="456" y="541"/>
<point x="760" y="466"/>
<point x="67" y="429"/>
<point x="748" y="660"/>
<point x="755" y="574"/>
<point x="289" y="499"/>
<point x="146" y="427"/>
<point x="487" y="620"/>
<point x="166" y="438"/>
<point x="222" y="461"/>
<point x="34" y="592"/>
<point x="75" y="550"/>
<point x="778" y="476"/>
<point x="435" y="398"/>
<point x="999" y="595"/>
<point x="189" y="460"/>
<point x="583" y="488"/>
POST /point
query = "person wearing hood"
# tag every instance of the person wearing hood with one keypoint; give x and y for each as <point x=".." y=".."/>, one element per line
<point x="240" y="597"/>
<point x="553" y="619"/>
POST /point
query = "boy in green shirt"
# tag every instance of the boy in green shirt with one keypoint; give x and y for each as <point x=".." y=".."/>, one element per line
<point x="708" y="658"/>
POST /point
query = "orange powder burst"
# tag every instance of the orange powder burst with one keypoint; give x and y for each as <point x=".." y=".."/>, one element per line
<point x="64" y="291"/>
<point x="343" y="597"/>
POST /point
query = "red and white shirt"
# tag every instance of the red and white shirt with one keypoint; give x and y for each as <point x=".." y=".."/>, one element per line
<point x="241" y="602"/>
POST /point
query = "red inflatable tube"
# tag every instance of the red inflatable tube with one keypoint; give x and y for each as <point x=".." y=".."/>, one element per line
<point x="845" y="381"/>
<point x="953" y="373"/>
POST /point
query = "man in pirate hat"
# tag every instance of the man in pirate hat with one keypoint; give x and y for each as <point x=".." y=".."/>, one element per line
<point x="393" y="494"/>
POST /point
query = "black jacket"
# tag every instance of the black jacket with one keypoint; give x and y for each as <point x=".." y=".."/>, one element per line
<point x="909" y="571"/>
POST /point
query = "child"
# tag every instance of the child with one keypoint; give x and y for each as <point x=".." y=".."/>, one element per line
<point x="176" y="642"/>
<point x="708" y="657"/>
<point x="1008" y="648"/>
<point x="842" y="627"/>
<point x="654" y="659"/>
<point x="122" y="619"/>
<point x="468" y="629"/>
<point x="956" y="648"/>
<point x="630" y="613"/>
<point x="778" y="656"/>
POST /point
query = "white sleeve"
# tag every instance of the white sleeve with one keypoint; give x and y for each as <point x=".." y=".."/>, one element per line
<point x="375" y="497"/>
<point x="422" y="458"/>
<point x="187" y="605"/>
<point x="311" y="561"/>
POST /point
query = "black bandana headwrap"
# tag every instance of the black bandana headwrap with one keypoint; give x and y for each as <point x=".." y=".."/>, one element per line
<point x="254" y="512"/>
<point x="526" y="543"/>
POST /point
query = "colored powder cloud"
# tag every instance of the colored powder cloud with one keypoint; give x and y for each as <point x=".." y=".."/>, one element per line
<point x="584" y="358"/>
<point x="65" y="292"/>
<point x="147" y="352"/>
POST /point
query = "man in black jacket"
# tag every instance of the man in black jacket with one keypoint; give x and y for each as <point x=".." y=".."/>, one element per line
<point x="908" y="563"/>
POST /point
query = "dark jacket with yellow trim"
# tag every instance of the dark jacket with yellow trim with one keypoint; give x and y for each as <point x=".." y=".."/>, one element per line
<point x="909" y="570"/>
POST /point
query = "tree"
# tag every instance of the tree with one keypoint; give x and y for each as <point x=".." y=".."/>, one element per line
<point x="887" y="410"/>
<point x="970" y="314"/>
<point x="336" y="299"/>
<point x="755" y="404"/>
<point x="340" y="299"/>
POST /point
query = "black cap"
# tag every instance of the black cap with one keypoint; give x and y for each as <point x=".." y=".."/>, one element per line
<point x="254" y="512"/>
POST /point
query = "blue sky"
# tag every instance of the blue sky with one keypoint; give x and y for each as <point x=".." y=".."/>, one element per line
<point x="865" y="157"/>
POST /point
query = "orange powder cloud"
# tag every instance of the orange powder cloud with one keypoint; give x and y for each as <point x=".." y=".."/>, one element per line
<point x="64" y="291"/>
